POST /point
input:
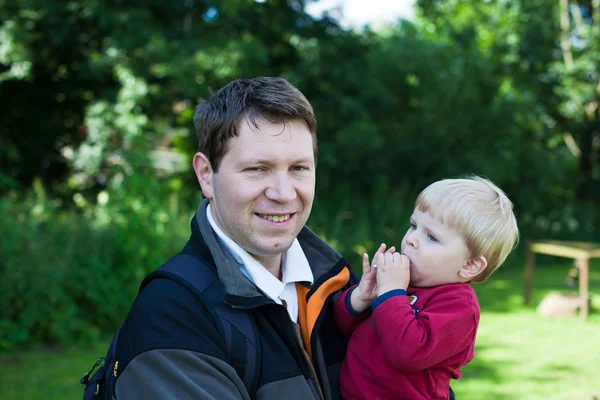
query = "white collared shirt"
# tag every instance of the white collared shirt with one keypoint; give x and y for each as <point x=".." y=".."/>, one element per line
<point x="294" y="266"/>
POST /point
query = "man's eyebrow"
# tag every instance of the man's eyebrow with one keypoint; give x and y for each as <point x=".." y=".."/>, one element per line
<point x="254" y="161"/>
<point x="303" y="160"/>
<point x="264" y="161"/>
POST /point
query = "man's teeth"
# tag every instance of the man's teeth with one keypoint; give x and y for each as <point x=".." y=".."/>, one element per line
<point x="276" y="218"/>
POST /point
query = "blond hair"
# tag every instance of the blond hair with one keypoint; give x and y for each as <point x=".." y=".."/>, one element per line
<point x="479" y="211"/>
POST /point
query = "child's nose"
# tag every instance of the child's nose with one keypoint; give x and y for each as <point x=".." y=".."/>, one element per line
<point x="411" y="239"/>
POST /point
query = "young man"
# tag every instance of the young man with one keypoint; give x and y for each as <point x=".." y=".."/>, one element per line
<point x="418" y="336"/>
<point x="256" y="167"/>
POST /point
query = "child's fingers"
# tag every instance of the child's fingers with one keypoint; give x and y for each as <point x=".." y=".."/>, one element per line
<point x="392" y="249"/>
<point x="404" y="260"/>
<point x="379" y="259"/>
<point x="400" y="260"/>
<point x="365" y="264"/>
<point x="381" y="249"/>
<point x="379" y="263"/>
<point x="389" y="258"/>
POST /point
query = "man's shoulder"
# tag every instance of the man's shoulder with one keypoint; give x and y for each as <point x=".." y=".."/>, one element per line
<point x="162" y="294"/>
<point x="166" y="315"/>
<point x="188" y="269"/>
<point x="185" y="287"/>
<point x="162" y="305"/>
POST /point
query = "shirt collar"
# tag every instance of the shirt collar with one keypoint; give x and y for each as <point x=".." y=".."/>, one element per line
<point x="295" y="266"/>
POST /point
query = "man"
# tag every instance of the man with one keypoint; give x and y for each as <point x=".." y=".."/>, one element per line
<point x="256" y="167"/>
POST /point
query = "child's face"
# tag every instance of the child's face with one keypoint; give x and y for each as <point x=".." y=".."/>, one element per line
<point x="436" y="251"/>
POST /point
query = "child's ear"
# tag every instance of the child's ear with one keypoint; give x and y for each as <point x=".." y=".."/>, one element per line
<point x="472" y="267"/>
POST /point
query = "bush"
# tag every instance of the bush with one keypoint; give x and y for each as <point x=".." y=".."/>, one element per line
<point x="72" y="269"/>
<point x="71" y="273"/>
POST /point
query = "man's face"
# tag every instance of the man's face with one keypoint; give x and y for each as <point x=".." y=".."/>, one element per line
<point x="436" y="251"/>
<point x="262" y="194"/>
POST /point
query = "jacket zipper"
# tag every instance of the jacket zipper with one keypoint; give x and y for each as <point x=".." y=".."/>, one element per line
<point x="312" y="377"/>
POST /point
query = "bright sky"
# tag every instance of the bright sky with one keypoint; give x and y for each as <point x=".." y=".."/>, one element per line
<point x="357" y="13"/>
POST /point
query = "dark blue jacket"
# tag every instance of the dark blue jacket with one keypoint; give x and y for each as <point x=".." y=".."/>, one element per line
<point x="173" y="343"/>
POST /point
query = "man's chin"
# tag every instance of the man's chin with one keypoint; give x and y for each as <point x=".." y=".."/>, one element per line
<point x="274" y="248"/>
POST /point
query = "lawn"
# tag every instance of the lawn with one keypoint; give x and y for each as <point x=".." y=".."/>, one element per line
<point x="519" y="354"/>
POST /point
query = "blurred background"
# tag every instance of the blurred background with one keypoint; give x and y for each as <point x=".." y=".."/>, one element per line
<point x="96" y="141"/>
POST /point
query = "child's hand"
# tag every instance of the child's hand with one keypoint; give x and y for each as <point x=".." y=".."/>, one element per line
<point x="393" y="272"/>
<point x="366" y="292"/>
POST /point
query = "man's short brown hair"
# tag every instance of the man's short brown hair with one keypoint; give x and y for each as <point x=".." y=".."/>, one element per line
<point x="274" y="99"/>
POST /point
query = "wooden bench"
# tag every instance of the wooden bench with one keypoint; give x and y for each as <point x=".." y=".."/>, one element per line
<point x="581" y="252"/>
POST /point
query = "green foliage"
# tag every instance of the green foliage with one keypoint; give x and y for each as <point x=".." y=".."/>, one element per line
<point x="544" y="56"/>
<point x="98" y="75"/>
<point x="71" y="273"/>
<point x="354" y="223"/>
<point x="97" y="134"/>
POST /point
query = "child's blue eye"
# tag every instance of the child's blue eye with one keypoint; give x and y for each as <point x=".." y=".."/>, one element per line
<point x="431" y="238"/>
<point x="412" y="226"/>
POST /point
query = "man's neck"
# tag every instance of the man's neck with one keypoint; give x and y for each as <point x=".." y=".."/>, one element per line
<point x="271" y="264"/>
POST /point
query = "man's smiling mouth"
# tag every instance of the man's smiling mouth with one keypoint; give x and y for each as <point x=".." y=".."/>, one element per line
<point x="275" y="218"/>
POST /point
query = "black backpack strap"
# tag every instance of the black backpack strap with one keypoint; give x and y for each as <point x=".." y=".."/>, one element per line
<point x="238" y="326"/>
<point x="242" y="344"/>
<point x="187" y="268"/>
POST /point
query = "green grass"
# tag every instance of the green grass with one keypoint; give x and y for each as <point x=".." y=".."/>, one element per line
<point x="519" y="354"/>
<point x="46" y="373"/>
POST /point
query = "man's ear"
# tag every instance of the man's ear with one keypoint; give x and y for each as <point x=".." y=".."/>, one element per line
<point x="473" y="267"/>
<point x="204" y="174"/>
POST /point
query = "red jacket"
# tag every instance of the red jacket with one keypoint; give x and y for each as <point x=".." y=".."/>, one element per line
<point x="409" y="347"/>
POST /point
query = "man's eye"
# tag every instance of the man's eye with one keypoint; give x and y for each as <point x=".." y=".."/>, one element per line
<point x="431" y="238"/>
<point x="299" y="168"/>
<point x="252" y="169"/>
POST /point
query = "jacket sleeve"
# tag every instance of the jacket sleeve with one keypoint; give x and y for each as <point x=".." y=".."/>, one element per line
<point x="345" y="321"/>
<point x="169" y="347"/>
<point x="445" y="328"/>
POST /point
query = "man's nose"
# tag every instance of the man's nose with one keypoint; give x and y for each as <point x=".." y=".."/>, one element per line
<point x="281" y="189"/>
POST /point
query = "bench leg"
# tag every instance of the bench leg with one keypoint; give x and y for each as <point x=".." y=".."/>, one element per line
<point x="528" y="276"/>
<point x="583" y="264"/>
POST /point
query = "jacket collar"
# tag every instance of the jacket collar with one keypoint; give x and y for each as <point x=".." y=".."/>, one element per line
<point x="324" y="261"/>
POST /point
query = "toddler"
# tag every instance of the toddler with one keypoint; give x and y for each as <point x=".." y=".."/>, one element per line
<point x="412" y="319"/>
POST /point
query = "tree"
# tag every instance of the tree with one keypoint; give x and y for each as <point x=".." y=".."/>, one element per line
<point x="546" y="56"/>
<point x="84" y="80"/>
